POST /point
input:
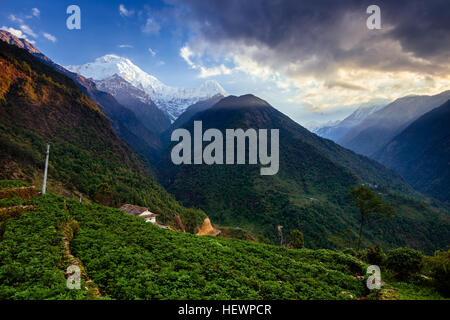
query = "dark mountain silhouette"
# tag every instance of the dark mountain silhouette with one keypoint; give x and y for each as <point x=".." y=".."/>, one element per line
<point x="421" y="153"/>
<point x="187" y="115"/>
<point x="308" y="193"/>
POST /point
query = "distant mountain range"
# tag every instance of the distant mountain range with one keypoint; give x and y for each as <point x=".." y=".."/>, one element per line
<point x="174" y="101"/>
<point x="375" y="131"/>
<point x="421" y="153"/>
<point x="336" y="130"/>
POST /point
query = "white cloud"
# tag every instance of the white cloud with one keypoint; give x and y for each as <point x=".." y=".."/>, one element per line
<point x="50" y="37"/>
<point x="291" y="87"/>
<point x="125" y="46"/>
<point x="151" y="27"/>
<point x="26" y="29"/>
<point x="214" y="71"/>
<point x="18" y="33"/>
<point x="124" y="12"/>
<point x="152" y="52"/>
<point x="13" y="18"/>
<point x="36" y="12"/>
<point x="187" y="54"/>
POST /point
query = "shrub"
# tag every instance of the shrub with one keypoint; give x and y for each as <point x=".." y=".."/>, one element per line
<point x="350" y="251"/>
<point x="439" y="266"/>
<point x="404" y="262"/>
<point x="103" y="194"/>
<point x="296" y="240"/>
<point x="5" y="184"/>
<point x="375" y="255"/>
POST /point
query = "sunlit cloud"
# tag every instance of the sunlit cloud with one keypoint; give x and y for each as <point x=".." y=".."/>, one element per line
<point x="338" y="62"/>
<point x="27" y="30"/>
<point x="49" y="37"/>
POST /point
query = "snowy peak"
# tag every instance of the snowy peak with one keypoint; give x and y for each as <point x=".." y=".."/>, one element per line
<point x="211" y="86"/>
<point x="109" y="65"/>
<point x="116" y="85"/>
<point x="173" y="100"/>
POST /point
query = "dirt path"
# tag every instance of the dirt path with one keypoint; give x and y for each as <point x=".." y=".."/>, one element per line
<point x="69" y="229"/>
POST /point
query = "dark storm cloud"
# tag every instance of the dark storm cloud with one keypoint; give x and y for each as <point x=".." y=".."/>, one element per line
<point x="318" y="36"/>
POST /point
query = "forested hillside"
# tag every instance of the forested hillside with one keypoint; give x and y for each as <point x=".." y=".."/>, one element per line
<point x="309" y="192"/>
<point x="38" y="106"/>
<point x="421" y="153"/>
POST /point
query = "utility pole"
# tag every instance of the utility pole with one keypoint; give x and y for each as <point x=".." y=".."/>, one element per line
<point x="44" y="185"/>
<point x="280" y="231"/>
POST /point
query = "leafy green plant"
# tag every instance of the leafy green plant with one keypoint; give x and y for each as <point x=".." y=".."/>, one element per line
<point x="404" y="262"/>
<point x="375" y="255"/>
<point x="371" y="207"/>
<point x="130" y="259"/>
<point x="5" y="184"/>
<point x="296" y="240"/>
<point x="439" y="267"/>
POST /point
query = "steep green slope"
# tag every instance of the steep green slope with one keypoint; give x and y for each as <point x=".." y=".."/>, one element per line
<point x="125" y="123"/>
<point x="308" y="193"/>
<point x="39" y="105"/>
<point x="130" y="259"/>
<point x="421" y="153"/>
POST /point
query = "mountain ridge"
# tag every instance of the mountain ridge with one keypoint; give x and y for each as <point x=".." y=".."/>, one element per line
<point x="336" y="131"/>
<point x="421" y="153"/>
<point x="381" y="126"/>
<point x="136" y="100"/>
<point x="173" y="100"/>
<point x="308" y="193"/>
<point x="124" y="121"/>
<point x="40" y="105"/>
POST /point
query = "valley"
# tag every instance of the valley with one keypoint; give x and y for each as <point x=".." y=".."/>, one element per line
<point x="290" y="234"/>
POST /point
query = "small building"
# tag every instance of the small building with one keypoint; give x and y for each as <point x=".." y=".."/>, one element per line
<point x="140" y="212"/>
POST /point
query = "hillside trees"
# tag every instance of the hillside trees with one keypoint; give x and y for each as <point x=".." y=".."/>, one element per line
<point x="371" y="207"/>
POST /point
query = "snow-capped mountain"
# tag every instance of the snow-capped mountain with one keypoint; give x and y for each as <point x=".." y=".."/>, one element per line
<point x="115" y="85"/>
<point x="314" y="126"/>
<point x="339" y="129"/>
<point x="172" y="100"/>
<point x="381" y="126"/>
<point x="137" y="101"/>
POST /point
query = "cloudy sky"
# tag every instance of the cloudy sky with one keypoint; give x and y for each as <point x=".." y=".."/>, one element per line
<point x="313" y="60"/>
